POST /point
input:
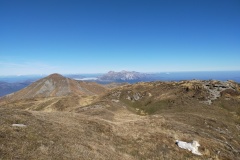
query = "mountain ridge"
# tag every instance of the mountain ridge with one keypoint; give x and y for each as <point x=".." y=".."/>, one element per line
<point x="123" y="76"/>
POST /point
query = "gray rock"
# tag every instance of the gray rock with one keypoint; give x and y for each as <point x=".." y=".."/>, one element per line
<point x="19" y="125"/>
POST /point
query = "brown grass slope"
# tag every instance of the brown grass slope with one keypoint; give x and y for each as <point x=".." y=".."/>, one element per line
<point x="54" y="92"/>
<point x="140" y="121"/>
<point x="55" y="85"/>
<point x="187" y="115"/>
<point x="115" y="133"/>
<point x="153" y="97"/>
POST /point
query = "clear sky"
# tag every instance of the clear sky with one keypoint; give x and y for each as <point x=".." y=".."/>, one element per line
<point x="95" y="36"/>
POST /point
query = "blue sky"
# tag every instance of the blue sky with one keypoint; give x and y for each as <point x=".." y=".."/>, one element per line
<point x="95" y="36"/>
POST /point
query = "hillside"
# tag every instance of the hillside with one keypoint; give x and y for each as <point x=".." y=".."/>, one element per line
<point x="54" y="92"/>
<point x="138" y="121"/>
<point x="56" y="85"/>
<point x="206" y="111"/>
<point x="150" y="96"/>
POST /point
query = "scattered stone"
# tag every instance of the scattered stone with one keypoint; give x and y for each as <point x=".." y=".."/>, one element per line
<point x="129" y="98"/>
<point x="136" y="96"/>
<point x="115" y="100"/>
<point x="149" y="95"/>
<point x="116" y="94"/>
<point x="19" y="125"/>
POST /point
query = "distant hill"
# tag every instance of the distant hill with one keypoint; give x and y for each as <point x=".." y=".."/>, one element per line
<point x="53" y="90"/>
<point x="55" y="85"/>
<point x="7" y="88"/>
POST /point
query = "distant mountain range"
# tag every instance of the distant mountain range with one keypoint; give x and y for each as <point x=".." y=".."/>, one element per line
<point x="12" y="84"/>
<point x="124" y="76"/>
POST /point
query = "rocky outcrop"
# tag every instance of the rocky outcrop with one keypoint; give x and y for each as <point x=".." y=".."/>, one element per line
<point x="213" y="88"/>
<point x="217" y="89"/>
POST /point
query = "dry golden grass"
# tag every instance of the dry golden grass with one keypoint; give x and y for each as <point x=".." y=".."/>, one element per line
<point x="51" y="104"/>
<point x="116" y="133"/>
<point x="100" y="128"/>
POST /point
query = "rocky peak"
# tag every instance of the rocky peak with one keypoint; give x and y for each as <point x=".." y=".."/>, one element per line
<point x="55" y="76"/>
<point x="123" y="76"/>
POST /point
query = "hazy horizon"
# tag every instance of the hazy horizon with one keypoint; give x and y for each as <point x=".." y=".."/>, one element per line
<point x="159" y="76"/>
<point x="87" y="74"/>
<point x="69" y="37"/>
